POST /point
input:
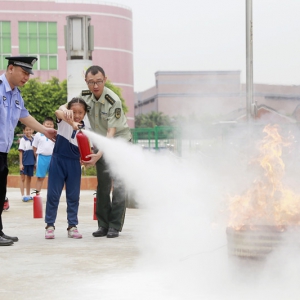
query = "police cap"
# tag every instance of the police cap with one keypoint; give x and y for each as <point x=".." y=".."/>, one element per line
<point x="25" y="62"/>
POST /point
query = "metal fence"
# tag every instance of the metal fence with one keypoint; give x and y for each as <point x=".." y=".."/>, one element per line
<point x="158" y="138"/>
<point x="212" y="140"/>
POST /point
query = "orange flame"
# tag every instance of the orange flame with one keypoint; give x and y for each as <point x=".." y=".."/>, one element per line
<point x="268" y="202"/>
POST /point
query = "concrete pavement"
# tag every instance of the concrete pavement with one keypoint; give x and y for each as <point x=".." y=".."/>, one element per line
<point x="36" y="268"/>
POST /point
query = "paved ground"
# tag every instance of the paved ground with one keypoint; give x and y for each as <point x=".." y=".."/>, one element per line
<point x="166" y="264"/>
<point x="35" y="268"/>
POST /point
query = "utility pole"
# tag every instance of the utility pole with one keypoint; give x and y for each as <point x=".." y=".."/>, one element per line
<point x="251" y="107"/>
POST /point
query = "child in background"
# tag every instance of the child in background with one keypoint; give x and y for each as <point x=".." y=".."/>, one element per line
<point x="65" y="170"/>
<point x="27" y="162"/>
<point x="42" y="148"/>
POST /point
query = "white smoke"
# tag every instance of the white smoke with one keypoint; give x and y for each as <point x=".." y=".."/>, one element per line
<point x="182" y="231"/>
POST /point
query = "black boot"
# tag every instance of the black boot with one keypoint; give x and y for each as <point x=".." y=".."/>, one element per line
<point x="7" y="237"/>
<point x="5" y="242"/>
<point x="112" y="233"/>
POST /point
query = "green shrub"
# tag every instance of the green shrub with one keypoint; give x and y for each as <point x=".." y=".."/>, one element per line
<point x="13" y="161"/>
<point x="91" y="171"/>
<point x="13" y="164"/>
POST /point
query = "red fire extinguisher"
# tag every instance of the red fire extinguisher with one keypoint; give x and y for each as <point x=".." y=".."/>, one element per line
<point x="95" y="206"/>
<point x="83" y="144"/>
<point x="37" y="205"/>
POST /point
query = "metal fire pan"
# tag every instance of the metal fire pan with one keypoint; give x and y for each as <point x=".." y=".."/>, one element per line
<point x="255" y="243"/>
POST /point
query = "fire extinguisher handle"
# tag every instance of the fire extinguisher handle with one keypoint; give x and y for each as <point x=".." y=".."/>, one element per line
<point x="35" y="192"/>
<point x="80" y="126"/>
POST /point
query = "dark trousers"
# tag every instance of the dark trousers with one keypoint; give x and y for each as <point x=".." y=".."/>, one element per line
<point x="110" y="213"/>
<point x="63" y="171"/>
<point x="3" y="183"/>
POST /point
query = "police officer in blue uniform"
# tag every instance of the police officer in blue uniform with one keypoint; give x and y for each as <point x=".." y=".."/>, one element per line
<point x="12" y="110"/>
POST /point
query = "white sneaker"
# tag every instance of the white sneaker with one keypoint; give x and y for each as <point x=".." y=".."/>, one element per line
<point x="73" y="233"/>
<point x="49" y="234"/>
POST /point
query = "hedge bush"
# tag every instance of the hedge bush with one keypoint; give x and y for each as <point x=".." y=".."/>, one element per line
<point x="13" y="164"/>
<point x="13" y="161"/>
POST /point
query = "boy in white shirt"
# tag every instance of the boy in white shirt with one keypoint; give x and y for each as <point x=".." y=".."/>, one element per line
<point x="42" y="148"/>
<point x="27" y="162"/>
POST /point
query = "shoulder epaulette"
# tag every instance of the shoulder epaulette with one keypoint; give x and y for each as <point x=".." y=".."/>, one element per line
<point x="86" y="93"/>
<point x="110" y="99"/>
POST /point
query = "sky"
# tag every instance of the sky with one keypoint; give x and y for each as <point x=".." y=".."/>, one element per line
<point x="201" y="35"/>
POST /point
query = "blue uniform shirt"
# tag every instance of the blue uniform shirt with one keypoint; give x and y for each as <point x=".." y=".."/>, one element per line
<point x="11" y="110"/>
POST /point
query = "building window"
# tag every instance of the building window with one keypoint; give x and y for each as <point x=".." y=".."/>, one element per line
<point x="5" y="43"/>
<point x="39" y="39"/>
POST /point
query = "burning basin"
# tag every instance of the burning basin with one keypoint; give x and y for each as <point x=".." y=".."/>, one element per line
<point x="255" y="243"/>
<point x="267" y="215"/>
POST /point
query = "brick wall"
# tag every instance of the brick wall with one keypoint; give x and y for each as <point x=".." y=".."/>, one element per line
<point x="87" y="182"/>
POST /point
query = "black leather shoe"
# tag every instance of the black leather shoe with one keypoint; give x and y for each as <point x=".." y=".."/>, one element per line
<point x="100" y="232"/>
<point x="112" y="233"/>
<point x="5" y="242"/>
<point x="12" y="238"/>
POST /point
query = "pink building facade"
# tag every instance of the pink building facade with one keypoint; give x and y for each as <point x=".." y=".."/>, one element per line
<point x="187" y="93"/>
<point x="212" y="93"/>
<point x="113" y="44"/>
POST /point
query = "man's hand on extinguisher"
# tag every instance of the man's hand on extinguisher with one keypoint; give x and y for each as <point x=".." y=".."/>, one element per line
<point x="94" y="159"/>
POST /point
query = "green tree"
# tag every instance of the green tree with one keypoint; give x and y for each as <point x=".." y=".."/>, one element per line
<point x="152" y="119"/>
<point x="118" y="91"/>
<point x="43" y="98"/>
